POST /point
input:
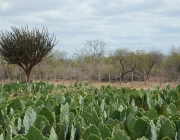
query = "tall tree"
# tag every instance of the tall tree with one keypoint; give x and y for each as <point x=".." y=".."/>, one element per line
<point x="25" y="47"/>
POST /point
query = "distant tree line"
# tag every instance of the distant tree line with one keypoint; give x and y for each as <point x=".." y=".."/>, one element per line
<point x="27" y="51"/>
<point x="93" y="62"/>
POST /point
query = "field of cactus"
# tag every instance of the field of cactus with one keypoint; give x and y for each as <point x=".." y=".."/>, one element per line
<point x="40" y="111"/>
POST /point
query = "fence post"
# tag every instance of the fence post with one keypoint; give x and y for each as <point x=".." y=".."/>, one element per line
<point x="109" y="77"/>
<point x="120" y="80"/>
<point x="79" y="77"/>
<point x="132" y="77"/>
<point x="144" y="79"/>
<point x="99" y="77"/>
<point x="63" y="79"/>
<point x="54" y="77"/>
<point x="70" y="80"/>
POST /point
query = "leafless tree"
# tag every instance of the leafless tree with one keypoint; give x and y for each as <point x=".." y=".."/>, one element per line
<point x="124" y="61"/>
<point x="60" y="55"/>
<point x="147" y="62"/>
<point x="94" y="49"/>
<point x="172" y="63"/>
<point x="90" y="57"/>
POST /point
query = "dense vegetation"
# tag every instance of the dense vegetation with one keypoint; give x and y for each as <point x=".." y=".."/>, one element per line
<point x="41" y="111"/>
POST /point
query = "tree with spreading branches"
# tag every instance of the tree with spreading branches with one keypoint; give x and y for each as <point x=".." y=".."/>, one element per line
<point x="26" y="48"/>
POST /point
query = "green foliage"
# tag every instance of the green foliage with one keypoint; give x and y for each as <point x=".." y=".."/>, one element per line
<point x="89" y="131"/>
<point x="84" y="112"/>
<point x="34" y="134"/>
<point x="47" y="114"/>
<point x="104" y="131"/>
<point x="94" y="137"/>
<point x="53" y="135"/>
<point x="16" y="104"/>
<point x="167" y="130"/>
<point x="42" y="124"/>
<point x="19" y="137"/>
<point x="121" y="135"/>
<point x="152" y="114"/>
<point x="140" y="127"/>
<point x="29" y="118"/>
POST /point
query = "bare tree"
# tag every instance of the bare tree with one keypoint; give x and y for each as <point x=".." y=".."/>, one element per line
<point x="60" y="55"/>
<point x="124" y="61"/>
<point x="25" y="47"/>
<point x="93" y="50"/>
<point x="147" y="61"/>
<point x="172" y="63"/>
<point x="90" y="57"/>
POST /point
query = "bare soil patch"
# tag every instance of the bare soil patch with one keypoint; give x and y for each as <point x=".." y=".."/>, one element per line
<point x="136" y="84"/>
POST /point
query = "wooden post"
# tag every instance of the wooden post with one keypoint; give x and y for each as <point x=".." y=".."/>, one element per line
<point x="99" y="77"/>
<point x="144" y="79"/>
<point x="132" y="78"/>
<point x="70" y="80"/>
<point x="77" y="78"/>
<point x="120" y="80"/>
<point x="63" y="79"/>
<point x="160" y="82"/>
<point x="80" y="77"/>
<point x="109" y="77"/>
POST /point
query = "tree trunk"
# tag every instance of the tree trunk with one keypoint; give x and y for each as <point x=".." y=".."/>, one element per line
<point x="120" y="80"/>
<point x="122" y="76"/>
<point x="99" y="77"/>
<point x="27" y="71"/>
<point x="109" y="77"/>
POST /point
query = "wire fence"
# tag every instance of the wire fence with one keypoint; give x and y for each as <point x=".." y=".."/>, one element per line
<point x="81" y="78"/>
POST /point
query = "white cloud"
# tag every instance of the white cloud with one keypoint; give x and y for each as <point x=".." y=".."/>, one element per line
<point x="140" y="24"/>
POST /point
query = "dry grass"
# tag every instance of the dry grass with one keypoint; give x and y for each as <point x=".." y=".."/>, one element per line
<point x="137" y="84"/>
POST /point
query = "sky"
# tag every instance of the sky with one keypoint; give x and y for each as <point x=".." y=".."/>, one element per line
<point x="135" y="25"/>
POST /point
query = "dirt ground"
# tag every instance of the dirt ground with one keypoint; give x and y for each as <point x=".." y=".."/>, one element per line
<point x="136" y="84"/>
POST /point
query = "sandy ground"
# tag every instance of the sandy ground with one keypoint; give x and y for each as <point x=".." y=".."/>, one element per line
<point x="135" y="84"/>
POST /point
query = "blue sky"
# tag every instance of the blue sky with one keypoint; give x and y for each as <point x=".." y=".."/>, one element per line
<point x="136" y="25"/>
